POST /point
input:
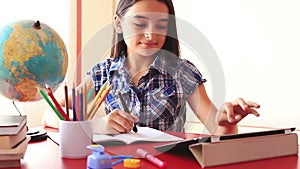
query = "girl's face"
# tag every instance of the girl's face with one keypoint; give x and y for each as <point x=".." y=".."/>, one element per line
<point x="144" y="27"/>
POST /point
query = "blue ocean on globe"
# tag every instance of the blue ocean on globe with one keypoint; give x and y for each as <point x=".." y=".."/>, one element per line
<point x="32" y="55"/>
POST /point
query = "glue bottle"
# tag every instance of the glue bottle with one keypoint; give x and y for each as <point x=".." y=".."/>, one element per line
<point x="98" y="159"/>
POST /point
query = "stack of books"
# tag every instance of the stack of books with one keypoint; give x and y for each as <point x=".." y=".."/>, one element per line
<point x="13" y="140"/>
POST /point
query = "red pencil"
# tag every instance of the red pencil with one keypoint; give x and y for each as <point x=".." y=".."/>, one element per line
<point x="57" y="105"/>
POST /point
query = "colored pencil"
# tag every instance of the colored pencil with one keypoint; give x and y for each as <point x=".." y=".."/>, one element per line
<point x="51" y="105"/>
<point x="78" y="110"/>
<point x="57" y="105"/>
<point x="85" y="101"/>
<point x="96" y="99"/>
<point x="90" y="93"/>
<point x="67" y="100"/>
<point x="81" y="104"/>
<point x="74" y="102"/>
<point x="100" y="102"/>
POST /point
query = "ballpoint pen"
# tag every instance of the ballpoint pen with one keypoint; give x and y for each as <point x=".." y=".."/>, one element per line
<point x="126" y="110"/>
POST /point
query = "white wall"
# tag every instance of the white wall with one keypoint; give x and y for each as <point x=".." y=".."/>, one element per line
<point x="258" y="44"/>
<point x="54" y="13"/>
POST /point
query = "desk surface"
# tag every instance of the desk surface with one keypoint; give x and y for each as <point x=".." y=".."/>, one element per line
<point x="45" y="155"/>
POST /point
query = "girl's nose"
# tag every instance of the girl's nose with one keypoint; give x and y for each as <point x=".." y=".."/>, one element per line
<point x="149" y="35"/>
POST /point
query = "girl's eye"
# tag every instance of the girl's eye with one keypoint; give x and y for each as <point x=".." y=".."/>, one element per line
<point x="140" y="25"/>
<point x="161" y="27"/>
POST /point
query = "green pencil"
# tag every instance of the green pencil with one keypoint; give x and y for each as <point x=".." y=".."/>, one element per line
<point x="90" y="93"/>
<point x="52" y="106"/>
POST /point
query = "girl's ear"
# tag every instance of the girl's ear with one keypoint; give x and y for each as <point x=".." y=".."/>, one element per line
<point x="117" y="24"/>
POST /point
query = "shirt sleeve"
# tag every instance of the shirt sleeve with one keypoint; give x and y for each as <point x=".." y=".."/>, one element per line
<point x="190" y="77"/>
<point x="99" y="74"/>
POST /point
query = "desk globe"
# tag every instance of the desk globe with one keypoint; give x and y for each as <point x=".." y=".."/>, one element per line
<point x="32" y="55"/>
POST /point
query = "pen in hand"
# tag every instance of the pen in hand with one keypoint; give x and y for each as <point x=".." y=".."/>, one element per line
<point x="126" y="109"/>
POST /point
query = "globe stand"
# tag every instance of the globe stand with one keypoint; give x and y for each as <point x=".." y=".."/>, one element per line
<point x="37" y="134"/>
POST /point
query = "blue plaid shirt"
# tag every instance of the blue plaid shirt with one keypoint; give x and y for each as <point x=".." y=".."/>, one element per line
<point x="159" y="99"/>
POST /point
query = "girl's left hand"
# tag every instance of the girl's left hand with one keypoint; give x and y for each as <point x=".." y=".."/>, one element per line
<point x="233" y="112"/>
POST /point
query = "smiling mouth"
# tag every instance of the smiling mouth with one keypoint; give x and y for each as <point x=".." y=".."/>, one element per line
<point x="148" y="44"/>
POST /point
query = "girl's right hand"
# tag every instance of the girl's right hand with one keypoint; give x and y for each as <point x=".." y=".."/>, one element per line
<point x="120" y="120"/>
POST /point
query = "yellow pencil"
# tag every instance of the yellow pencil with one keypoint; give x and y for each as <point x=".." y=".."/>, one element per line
<point x="100" y="102"/>
<point x="85" y="101"/>
<point x="96" y="99"/>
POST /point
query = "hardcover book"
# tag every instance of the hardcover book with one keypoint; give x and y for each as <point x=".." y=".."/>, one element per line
<point x="10" y="141"/>
<point x="12" y="157"/>
<point x="11" y="125"/>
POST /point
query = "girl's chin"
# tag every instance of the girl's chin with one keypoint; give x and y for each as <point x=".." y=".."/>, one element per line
<point x="147" y="52"/>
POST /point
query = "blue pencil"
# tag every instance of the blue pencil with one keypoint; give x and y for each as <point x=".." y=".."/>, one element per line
<point x="121" y="156"/>
<point x="117" y="162"/>
<point x="81" y="105"/>
<point x="121" y="160"/>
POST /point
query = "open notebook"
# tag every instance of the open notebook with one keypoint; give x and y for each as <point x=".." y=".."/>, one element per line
<point x="144" y="134"/>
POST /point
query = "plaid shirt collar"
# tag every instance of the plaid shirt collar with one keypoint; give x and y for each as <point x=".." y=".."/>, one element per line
<point x="160" y="64"/>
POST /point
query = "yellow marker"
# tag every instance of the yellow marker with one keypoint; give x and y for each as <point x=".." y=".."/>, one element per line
<point x="131" y="163"/>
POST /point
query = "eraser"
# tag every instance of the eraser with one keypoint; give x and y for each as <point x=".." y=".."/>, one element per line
<point x="131" y="163"/>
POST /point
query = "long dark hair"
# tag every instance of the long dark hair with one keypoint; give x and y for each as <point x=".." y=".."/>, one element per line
<point x="171" y="44"/>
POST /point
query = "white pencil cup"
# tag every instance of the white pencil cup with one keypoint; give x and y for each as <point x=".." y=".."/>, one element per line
<point x="74" y="137"/>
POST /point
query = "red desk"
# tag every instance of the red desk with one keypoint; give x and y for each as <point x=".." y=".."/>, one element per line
<point x="45" y="155"/>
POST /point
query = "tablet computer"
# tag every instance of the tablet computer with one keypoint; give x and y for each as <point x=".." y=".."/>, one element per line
<point x="182" y="147"/>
